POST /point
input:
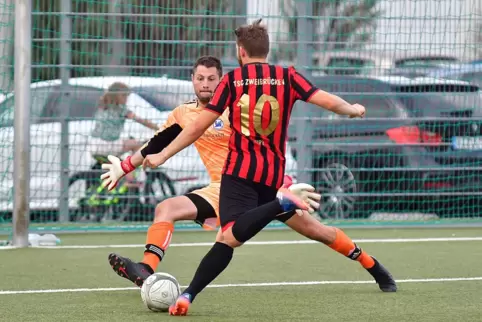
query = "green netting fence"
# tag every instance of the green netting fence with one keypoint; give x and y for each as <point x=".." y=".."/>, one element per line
<point x="415" y="159"/>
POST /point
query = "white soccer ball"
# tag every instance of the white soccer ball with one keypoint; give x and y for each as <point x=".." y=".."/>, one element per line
<point x="159" y="291"/>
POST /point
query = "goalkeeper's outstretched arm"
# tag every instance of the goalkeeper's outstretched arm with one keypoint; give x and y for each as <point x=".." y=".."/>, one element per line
<point x="156" y="144"/>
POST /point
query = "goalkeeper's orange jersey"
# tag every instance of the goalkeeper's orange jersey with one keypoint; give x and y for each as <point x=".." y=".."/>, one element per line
<point x="213" y="144"/>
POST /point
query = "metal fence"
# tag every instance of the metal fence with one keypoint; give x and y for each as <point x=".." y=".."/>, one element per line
<point x="418" y="152"/>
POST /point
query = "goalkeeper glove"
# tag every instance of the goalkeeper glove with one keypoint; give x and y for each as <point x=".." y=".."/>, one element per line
<point x="116" y="169"/>
<point x="306" y="192"/>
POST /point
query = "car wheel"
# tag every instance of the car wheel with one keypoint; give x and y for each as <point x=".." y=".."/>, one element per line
<point x="335" y="179"/>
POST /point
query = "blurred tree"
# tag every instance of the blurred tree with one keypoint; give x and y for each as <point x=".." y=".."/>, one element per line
<point x="204" y="30"/>
<point x="338" y="24"/>
<point x="140" y="33"/>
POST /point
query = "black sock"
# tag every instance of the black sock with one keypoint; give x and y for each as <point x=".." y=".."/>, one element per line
<point x="253" y="221"/>
<point x="213" y="264"/>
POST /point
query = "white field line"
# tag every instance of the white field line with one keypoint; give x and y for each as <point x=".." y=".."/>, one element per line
<point x="112" y="289"/>
<point x="260" y="243"/>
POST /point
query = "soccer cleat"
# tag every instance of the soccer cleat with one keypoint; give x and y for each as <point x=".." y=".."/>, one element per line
<point x="134" y="272"/>
<point x="181" y="306"/>
<point x="383" y="277"/>
<point x="289" y="201"/>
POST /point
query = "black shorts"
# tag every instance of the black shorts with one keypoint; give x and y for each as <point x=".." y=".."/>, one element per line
<point x="204" y="208"/>
<point x="238" y="195"/>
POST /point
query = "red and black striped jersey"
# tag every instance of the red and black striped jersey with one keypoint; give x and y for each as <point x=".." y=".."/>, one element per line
<point x="260" y="98"/>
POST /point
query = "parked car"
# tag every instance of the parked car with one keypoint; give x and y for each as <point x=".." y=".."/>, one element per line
<point x="373" y="63"/>
<point x="418" y="149"/>
<point x="151" y="98"/>
<point x="471" y="73"/>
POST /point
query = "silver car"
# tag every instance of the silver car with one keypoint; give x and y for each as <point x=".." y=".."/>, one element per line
<point x="151" y="98"/>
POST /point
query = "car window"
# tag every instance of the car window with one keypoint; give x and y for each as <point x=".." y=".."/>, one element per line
<point x="39" y="99"/>
<point x="85" y="102"/>
<point x="428" y="105"/>
<point x="347" y="86"/>
<point x="165" y="98"/>
<point x="142" y="108"/>
<point x="424" y="61"/>
<point x="440" y="100"/>
<point x="347" y="66"/>
<point x="376" y="106"/>
<point x="357" y="90"/>
<point x="79" y="102"/>
<point x="474" y="78"/>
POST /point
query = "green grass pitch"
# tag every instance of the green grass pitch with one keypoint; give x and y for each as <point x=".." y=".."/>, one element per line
<point x="419" y="266"/>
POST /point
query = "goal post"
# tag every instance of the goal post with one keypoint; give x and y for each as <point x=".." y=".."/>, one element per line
<point x="22" y="79"/>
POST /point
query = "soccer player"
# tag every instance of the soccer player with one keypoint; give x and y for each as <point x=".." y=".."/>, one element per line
<point x="202" y="205"/>
<point x="260" y="97"/>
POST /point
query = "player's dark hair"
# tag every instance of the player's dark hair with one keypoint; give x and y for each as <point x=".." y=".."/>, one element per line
<point x="254" y="39"/>
<point x="208" y="62"/>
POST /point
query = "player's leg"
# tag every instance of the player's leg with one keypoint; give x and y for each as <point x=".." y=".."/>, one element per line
<point x="236" y="197"/>
<point x="191" y="206"/>
<point x="271" y="203"/>
<point x="337" y="240"/>
<point x="207" y="203"/>
<point x="183" y="302"/>
<point x="241" y="218"/>
<point x="333" y="237"/>
<point x="158" y="239"/>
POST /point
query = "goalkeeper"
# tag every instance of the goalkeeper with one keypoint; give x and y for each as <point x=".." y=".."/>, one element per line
<point x="202" y="205"/>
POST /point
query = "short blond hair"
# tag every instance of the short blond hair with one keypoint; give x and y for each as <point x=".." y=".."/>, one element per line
<point x="111" y="97"/>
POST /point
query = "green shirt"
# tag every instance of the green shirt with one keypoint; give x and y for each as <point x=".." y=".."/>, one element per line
<point x="109" y="122"/>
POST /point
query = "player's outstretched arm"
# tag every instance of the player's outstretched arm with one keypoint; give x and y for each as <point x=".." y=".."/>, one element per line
<point x="142" y="121"/>
<point x="307" y="92"/>
<point x="187" y="137"/>
<point x="336" y="104"/>
<point x="157" y="143"/>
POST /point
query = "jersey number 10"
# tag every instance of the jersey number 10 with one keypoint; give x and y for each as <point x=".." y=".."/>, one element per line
<point x="244" y="103"/>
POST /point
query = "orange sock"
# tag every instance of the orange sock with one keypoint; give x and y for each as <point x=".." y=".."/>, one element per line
<point x="345" y="246"/>
<point x="158" y="240"/>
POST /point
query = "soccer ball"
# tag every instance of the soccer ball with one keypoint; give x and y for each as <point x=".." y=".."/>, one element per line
<point x="159" y="291"/>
